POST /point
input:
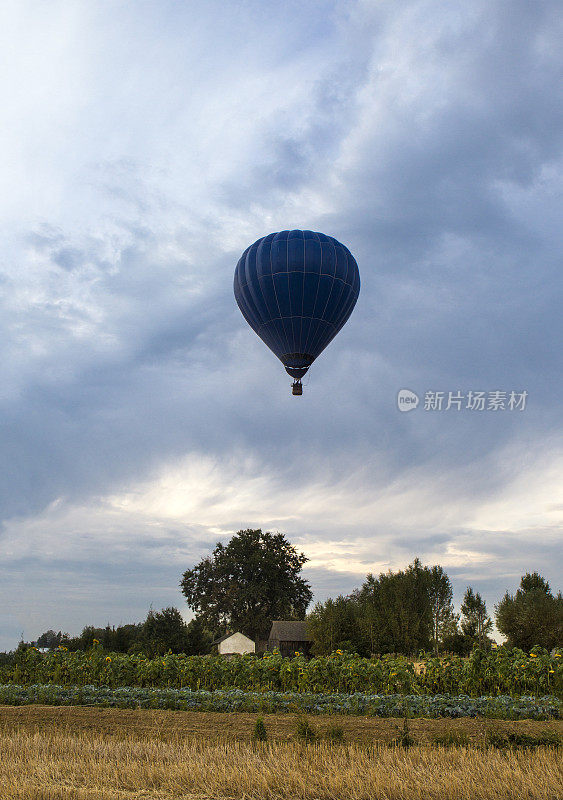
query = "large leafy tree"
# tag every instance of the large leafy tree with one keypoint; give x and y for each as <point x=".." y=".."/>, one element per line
<point x="163" y="631"/>
<point x="476" y="623"/>
<point x="533" y="616"/>
<point x="199" y="638"/>
<point x="396" y="610"/>
<point x="120" y="639"/>
<point x="49" y="639"/>
<point x="246" y="584"/>
<point x="453" y="640"/>
<point x="334" y="626"/>
<point x="440" y="592"/>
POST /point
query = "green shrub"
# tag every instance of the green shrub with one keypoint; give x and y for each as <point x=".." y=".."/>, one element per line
<point x="451" y="739"/>
<point x="259" y="733"/>
<point x="522" y="741"/>
<point x="335" y="733"/>
<point x="305" y="731"/>
<point x="405" y="738"/>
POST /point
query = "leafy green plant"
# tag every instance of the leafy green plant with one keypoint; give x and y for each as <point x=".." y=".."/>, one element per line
<point x="259" y="733"/>
<point x="497" y="673"/>
<point x="335" y="733"/>
<point x="522" y="741"/>
<point x="405" y="738"/>
<point x="267" y="702"/>
<point x="451" y="739"/>
<point x="305" y="731"/>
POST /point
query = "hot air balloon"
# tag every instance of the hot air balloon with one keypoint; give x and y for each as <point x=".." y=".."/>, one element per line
<point x="296" y="289"/>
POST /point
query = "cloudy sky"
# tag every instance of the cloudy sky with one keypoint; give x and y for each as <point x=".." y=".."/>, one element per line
<point x="144" y="146"/>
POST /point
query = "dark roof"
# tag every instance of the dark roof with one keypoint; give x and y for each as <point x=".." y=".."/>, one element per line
<point x="222" y="639"/>
<point x="289" y="631"/>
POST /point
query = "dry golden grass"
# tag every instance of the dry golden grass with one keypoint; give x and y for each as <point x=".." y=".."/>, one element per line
<point x="55" y="766"/>
<point x="43" y="758"/>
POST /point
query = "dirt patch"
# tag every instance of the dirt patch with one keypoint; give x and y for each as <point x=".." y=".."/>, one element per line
<point x="185" y="725"/>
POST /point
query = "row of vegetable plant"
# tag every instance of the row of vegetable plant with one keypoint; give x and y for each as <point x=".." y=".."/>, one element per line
<point x="358" y="703"/>
<point x="500" y="672"/>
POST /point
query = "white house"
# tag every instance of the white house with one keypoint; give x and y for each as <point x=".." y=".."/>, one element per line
<point x="235" y="643"/>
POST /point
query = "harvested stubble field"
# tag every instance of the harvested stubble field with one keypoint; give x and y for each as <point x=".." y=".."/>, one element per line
<point x="49" y="753"/>
<point x="196" y="725"/>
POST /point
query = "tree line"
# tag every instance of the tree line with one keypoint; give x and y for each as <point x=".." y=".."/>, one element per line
<point x="402" y="612"/>
<point x="161" y="632"/>
<point x="256" y="578"/>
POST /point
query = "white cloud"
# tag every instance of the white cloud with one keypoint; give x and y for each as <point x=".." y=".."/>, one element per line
<point x="357" y="518"/>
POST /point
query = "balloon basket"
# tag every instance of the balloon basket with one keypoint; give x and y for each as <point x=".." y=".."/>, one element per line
<point x="297" y="388"/>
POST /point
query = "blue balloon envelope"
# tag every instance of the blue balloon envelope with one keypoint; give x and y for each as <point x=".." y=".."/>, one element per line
<point x="296" y="289"/>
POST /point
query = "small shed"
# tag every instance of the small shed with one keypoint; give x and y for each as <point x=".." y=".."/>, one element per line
<point x="234" y="644"/>
<point x="289" y="637"/>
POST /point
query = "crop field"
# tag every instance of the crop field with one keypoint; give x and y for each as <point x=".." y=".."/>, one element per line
<point x="89" y="725"/>
<point x="49" y="753"/>
<point x="216" y="726"/>
<point x="499" y="672"/>
<point x="231" y="700"/>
